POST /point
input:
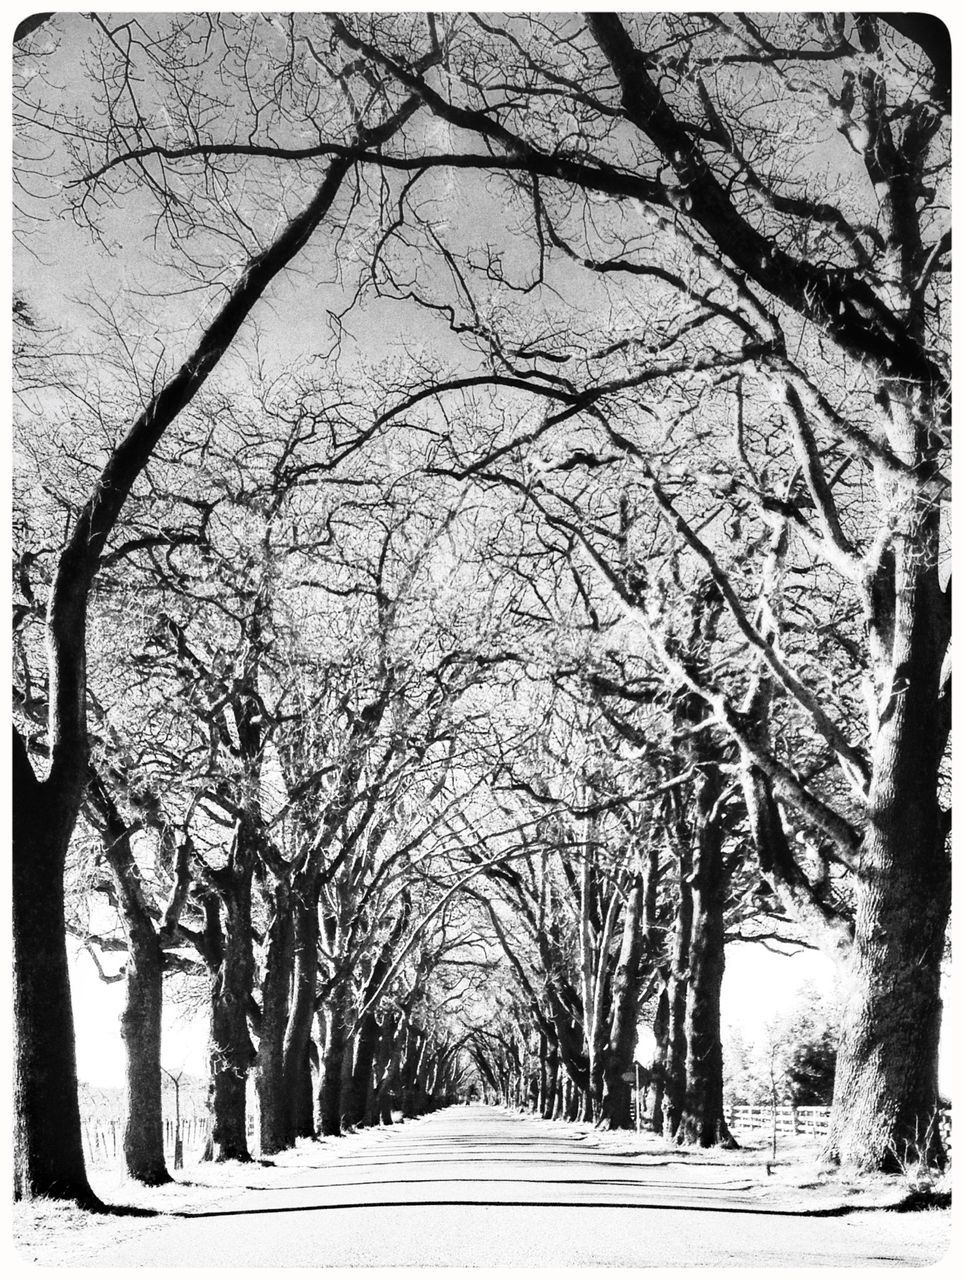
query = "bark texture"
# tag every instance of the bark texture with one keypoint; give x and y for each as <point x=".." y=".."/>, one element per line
<point x="231" y="1051"/>
<point x="622" y="1031"/>
<point x="48" y="1155"/>
<point x="336" y="1040"/>
<point x="279" y="961"/>
<point x="885" y="1091"/>
<point x="143" y="997"/>
<point x="141" y="1033"/>
<point x="297" y="1069"/>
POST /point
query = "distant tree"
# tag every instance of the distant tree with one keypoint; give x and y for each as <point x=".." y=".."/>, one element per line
<point x="792" y="1059"/>
<point x="810" y="1070"/>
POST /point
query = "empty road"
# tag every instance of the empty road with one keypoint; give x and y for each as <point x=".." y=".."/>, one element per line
<point x="477" y="1186"/>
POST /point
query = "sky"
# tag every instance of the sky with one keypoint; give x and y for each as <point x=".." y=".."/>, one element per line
<point x="100" y="1050"/>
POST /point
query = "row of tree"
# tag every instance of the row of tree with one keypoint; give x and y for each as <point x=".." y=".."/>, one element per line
<point x="623" y="594"/>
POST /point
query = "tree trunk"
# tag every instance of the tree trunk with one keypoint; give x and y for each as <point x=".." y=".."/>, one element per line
<point x="48" y="1155"/>
<point x="297" y="1069"/>
<point x="552" y="1082"/>
<point x="542" y="1084"/>
<point x="140" y="1023"/>
<point x="141" y="1032"/>
<point x="423" y="1093"/>
<point x="347" y="1066"/>
<point x="329" y="1096"/>
<point x="380" y="1071"/>
<point x="389" y="1059"/>
<point x="279" y="958"/>
<point x="232" y="1053"/>
<point x="674" y="1066"/>
<point x="360" y="1089"/>
<point x="573" y="1101"/>
<point x="886" y="1100"/>
<point x="360" y="1084"/>
<point x="702" y="1121"/>
<point x="885" y="1090"/>
<point x="409" y="1072"/>
<point x="617" y="1105"/>
<point x="534" y="1082"/>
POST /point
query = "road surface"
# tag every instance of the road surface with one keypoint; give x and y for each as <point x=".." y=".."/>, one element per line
<point x="482" y="1187"/>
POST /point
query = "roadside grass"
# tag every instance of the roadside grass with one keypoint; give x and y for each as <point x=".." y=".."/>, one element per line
<point x="797" y="1175"/>
<point x="54" y="1234"/>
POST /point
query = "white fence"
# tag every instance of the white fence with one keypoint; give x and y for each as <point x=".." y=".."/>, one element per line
<point x="806" y="1120"/>
<point x="814" y="1120"/>
<point x="104" y="1138"/>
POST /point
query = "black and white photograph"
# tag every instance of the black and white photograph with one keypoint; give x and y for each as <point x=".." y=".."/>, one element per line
<point x="480" y="502"/>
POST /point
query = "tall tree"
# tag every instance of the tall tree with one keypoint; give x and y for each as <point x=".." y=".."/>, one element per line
<point x="828" y="283"/>
<point x="49" y="1158"/>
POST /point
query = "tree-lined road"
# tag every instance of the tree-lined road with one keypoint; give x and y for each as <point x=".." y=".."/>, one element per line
<point x="478" y="553"/>
<point x="475" y="1186"/>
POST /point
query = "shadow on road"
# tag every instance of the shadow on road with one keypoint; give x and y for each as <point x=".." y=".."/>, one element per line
<point x="476" y="1179"/>
<point x="835" y="1212"/>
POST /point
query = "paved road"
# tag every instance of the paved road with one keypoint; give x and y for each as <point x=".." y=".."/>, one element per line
<point x="480" y="1187"/>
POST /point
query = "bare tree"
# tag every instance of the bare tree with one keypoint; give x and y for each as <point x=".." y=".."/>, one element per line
<point x="834" y="293"/>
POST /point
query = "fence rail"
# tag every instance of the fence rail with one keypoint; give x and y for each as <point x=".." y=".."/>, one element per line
<point x="104" y="1138"/>
<point x="806" y="1120"/>
<point x="787" y="1119"/>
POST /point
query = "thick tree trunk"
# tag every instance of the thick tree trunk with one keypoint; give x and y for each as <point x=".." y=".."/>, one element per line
<point x="347" y="1066"/>
<point x="617" y="1105"/>
<point x="232" y="1053"/>
<point x="414" y="1044"/>
<point x="885" y="1113"/>
<point x="360" y="1090"/>
<point x="360" y="1083"/>
<point x="141" y="1032"/>
<point x="568" y="1038"/>
<point x="702" y="1120"/>
<point x="279" y="959"/>
<point x="535" y="1081"/>
<point x="422" y="1090"/>
<point x="550" y="1096"/>
<point x="300" y="1089"/>
<point x="661" y="1036"/>
<point x="572" y="1104"/>
<point x="886" y="1100"/>
<point x="559" y="1110"/>
<point x="48" y="1153"/>
<point x="140" y="1023"/>
<point x="297" y="1069"/>
<point x="674" y="1064"/>
<point x="330" y="1093"/>
<point x="386" y="1060"/>
<point x="885" y="1089"/>
<point x="542" y="1083"/>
